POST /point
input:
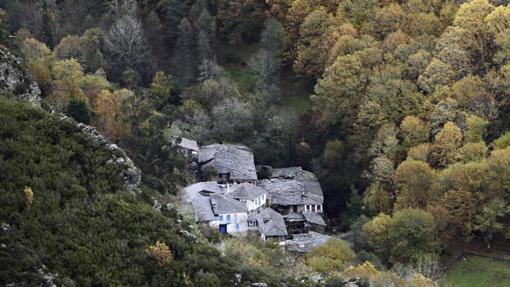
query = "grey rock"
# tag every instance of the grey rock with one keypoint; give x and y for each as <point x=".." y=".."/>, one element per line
<point x="47" y="277"/>
<point x="353" y="282"/>
<point x="188" y="235"/>
<point x="5" y="228"/>
<point x="131" y="175"/>
<point x="156" y="205"/>
<point x="15" y="82"/>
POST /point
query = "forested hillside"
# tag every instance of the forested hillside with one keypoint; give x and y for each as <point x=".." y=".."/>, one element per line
<point x="400" y="107"/>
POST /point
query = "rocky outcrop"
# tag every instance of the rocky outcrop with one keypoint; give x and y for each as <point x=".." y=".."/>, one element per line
<point x="14" y="82"/>
<point x="131" y="175"/>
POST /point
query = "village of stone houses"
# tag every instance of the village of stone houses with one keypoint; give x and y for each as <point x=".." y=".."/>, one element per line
<point x="238" y="198"/>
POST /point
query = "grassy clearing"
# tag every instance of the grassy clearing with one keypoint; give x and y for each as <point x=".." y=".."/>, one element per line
<point x="244" y="78"/>
<point x="295" y="94"/>
<point x="476" y="271"/>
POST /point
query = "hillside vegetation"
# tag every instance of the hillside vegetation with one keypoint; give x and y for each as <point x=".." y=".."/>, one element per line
<point x="400" y="107"/>
<point x="65" y="211"/>
<point x="478" y="271"/>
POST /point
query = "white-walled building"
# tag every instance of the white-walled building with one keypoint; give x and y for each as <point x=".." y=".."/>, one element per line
<point x="253" y="196"/>
<point x="228" y="215"/>
<point x="289" y="201"/>
<point x="221" y="213"/>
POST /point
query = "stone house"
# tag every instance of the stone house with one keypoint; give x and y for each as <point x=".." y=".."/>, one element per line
<point x="271" y="225"/>
<point x="253" y="196"/>
<point x="287" y="203"/>
<point x="229" y="163"/>
<point x="188" y="148"/>
<point x="227" y="215"/>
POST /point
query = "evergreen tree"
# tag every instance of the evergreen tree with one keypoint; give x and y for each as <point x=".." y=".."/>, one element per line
<point x="354" y="205"/>
<point x="79" y="110"/>
<point x="184" y="60"/>
<point x="47" y="25"/>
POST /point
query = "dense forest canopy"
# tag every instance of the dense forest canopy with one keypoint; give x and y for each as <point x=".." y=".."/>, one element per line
<point x="400" y="107"/>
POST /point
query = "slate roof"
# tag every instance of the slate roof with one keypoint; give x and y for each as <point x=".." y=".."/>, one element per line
<point x="192" y="191"/>
<point x="305" y="242"/>
<point x="271" y="223"/>
<point x="224" y="205"/>
<point x="203" y="209"/>
<point x="188" y="144"/>
<point x="294" y="217"/>
<point x="313" y="192"/>
<point x="314" y="218"/>
<point x="288" y="192"/>
<point x="237" y="160"/>
<point x="295" y="172"/>
<point x="246" y="191"/>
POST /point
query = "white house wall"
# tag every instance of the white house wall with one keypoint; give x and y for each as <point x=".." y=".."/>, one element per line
<point x="235" y="218"/>
<point x="252" y="204"/>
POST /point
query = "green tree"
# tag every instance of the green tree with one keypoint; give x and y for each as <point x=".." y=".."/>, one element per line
<point x="414" y="180"/>
<point x="378" y="199"/>
<point x="472" y="152"/>
<point x="161" y="89"/>
<point x="338" y="93"/>
<point x="184" y="61"/>
<point x="502" y="142"/>
<point x="414" y="131"/>
<point x="333" y="152"/>
<point x="461" y="207"/>
<point x="4" y="27"/>
<point x="487" y="220"/>
<point x="315" y="39"/>
<point x="68" y="76"/>
<point x="273" y="37"/>
<point x="413" y="233"/>
<point x="476" y="129"/>
<point x="354" y="205"/>
<point x="79" y="110"/>
<point x="446" y="143"/>
<point x="93" y="84"/>
<point x="377" y="234"/>
<point x="38" y="61"/>
<point x="331" y="256"/>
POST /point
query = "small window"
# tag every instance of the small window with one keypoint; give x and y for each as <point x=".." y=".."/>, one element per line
<point x="221" y="218"/>
<point x="228" y="217"/>
<point x="237" y="226"/>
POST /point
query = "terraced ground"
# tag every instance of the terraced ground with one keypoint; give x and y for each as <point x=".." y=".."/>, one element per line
<point x="478" y="271"/>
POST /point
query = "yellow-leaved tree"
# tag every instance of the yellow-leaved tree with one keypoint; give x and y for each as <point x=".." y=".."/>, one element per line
<point x="108" y="109"/>
<point x="29" y="195"/>
<point x="161" y="253"/>
<point x="67" y="75"/>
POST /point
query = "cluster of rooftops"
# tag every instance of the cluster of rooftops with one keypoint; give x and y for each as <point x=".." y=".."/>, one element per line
<point x="237" y="198"/>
